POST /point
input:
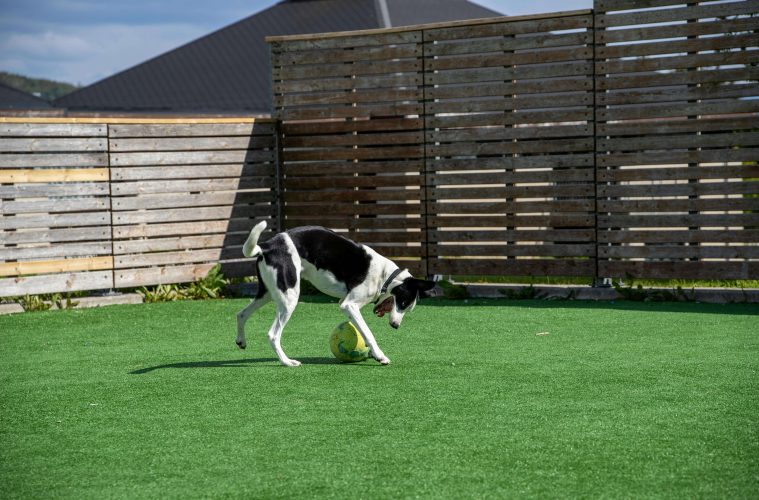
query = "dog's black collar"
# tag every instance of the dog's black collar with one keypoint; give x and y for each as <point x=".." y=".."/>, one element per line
<point x="387" y="282"/>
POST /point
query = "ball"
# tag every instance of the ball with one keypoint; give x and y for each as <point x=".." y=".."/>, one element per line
<point x="347" y="344"/>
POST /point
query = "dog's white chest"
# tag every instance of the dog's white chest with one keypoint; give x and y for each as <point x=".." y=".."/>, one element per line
<point x="323" y="280"/>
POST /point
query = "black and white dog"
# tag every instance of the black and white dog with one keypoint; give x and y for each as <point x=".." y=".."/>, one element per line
<point x="335" y="265"/>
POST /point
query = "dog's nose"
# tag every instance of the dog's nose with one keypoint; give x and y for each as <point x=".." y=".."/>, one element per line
<point x="395" y="325"/>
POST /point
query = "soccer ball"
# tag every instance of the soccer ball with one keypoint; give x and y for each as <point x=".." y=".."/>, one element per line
<point x="347" y="344"/>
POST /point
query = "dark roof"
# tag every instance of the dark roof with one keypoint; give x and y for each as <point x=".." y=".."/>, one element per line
<point x="13" y="98"/>
<point x="227" y="71"/>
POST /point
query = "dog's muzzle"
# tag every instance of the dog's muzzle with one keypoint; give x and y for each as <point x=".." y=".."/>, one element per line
<point x="384" y="307"/>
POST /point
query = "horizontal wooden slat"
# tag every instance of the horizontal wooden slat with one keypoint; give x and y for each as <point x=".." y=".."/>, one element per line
<point x="190" y="214"/>
<point x="190" y="172"/>
<point x="160" y="275"/>
<point x="54" y="283"/>
<point x="49" y="144"/>
<point x="55" y="220"/>
<point x="679" y="252"/>
<point x="53" y="175"/>
<point x="54" y="160"/>
<point x="32" y="129"/>
<point x="719" y="270"/>
<point x="57" y="251"/>
<point x="55" y="266"/>
<point x="513" y="267"/>
<point x="190" y="130"/>
<point x="195" y="144"/>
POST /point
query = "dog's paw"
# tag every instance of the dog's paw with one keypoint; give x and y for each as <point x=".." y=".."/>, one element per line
<point x="241" y="344"/>
<point x="383" y="360"/>
<point x="291" y="362"/>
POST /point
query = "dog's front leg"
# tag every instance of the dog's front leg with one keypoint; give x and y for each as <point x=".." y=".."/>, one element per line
<point x="352" y="310"/>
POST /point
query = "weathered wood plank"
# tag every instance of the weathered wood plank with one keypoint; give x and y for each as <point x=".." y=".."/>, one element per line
<point x="121" y="247"/>
<point x="689" y="205"/>
<point x="55" y="160"/>
<point x="487" y="89"/>
<point x="478" y="192"/>
<point x="190" y="130"/>
<point x="718" y="270"/>
<point x="55" y="220"/>
<point x="466" y="75"/>
<point x="489" y="251"/>
<point x="552" y="220"/>
<point x="124" y="278"/>
<point x="462" y="207"/>
<point x="181" y="200"/>
<point x="53" y="175"/>
<point x="327" y="56"/>
<point x="174" y="144"/>
<point x="46" y="235"/>
<point x="328" y="182"/>
<point x="191" y="172"/>
<point x="677" y="14"/>
<point x="58" y="251"/>
<point x="56" y="266"/>
<point x="673" y="235"/>
<point x="675" y="47"/>
<point x="70" y="282"/>
<point x="190" y="214"/>
<point x="167" y="258"/>
<point x="568" y="175"/>
<point x="183" y="229"/>
<point x="703" y="27"/>
<point x="371" y="139"/>
<point x="691" y="189"/>
<point x="190" y="185"/>
<point x="52" y="144"/>
<point x="679" y="252"/>
<point x="53" y="205"/>
<point x="678" y="173"/>
<point x="510" y="26"/>
<point x="52" y="130"/>
<point x="523" y="147"/>
<point x="509" y="59"/>
<point x="534" y="41"/>
<point x="53" y="190"/>
<point x="513" y="267"/>
<point x="680" y="220"/>
<point x="521" y="235"/>
<point x="190" y="157"/>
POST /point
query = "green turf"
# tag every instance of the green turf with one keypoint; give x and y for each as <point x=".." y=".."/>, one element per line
<point x="153" y="401"/>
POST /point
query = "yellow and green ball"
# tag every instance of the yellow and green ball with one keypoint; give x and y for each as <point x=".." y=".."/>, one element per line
<point x="347" y="344"/>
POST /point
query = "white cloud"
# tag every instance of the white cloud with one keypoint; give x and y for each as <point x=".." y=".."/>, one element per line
<point x="85" y="54"/>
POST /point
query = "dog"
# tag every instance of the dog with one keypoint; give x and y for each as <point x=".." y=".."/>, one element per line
<point x="337" y="266"/>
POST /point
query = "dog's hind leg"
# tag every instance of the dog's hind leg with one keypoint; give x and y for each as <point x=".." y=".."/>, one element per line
<point x="286" y="302"/>
<point x="242" y="316"/>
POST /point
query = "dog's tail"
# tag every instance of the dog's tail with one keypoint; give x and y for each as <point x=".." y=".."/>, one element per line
<point x="251" y="248"/>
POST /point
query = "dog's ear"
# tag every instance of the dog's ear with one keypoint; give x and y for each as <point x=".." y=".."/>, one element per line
<point x="423" y="287"/>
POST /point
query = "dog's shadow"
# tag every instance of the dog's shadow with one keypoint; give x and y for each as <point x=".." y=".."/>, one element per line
<point x="237" y="363"/>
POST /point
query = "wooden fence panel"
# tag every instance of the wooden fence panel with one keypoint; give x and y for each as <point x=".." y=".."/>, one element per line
<point x="55" y="225"/>
<point x="352" y="140"/>
<point x="509" y="147"/>
<point x="185" y="197"/>
<point x="677" y="139"/>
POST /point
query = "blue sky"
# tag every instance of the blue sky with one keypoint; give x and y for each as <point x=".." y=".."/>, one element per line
<point x="82" y="41"/>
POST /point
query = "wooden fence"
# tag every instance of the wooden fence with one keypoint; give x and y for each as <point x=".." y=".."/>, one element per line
<point x="122" y="203"/>
<point x="602" y="143"/>
<point x="605" y="143"/>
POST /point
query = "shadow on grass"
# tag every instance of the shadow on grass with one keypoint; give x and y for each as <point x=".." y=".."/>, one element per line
<point x="236" y="363"/>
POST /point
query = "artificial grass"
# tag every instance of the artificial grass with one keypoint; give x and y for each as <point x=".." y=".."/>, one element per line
<point x="616" y="400"/>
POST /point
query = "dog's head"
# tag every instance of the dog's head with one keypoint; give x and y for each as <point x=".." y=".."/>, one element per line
<point x="403" y="297"/>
